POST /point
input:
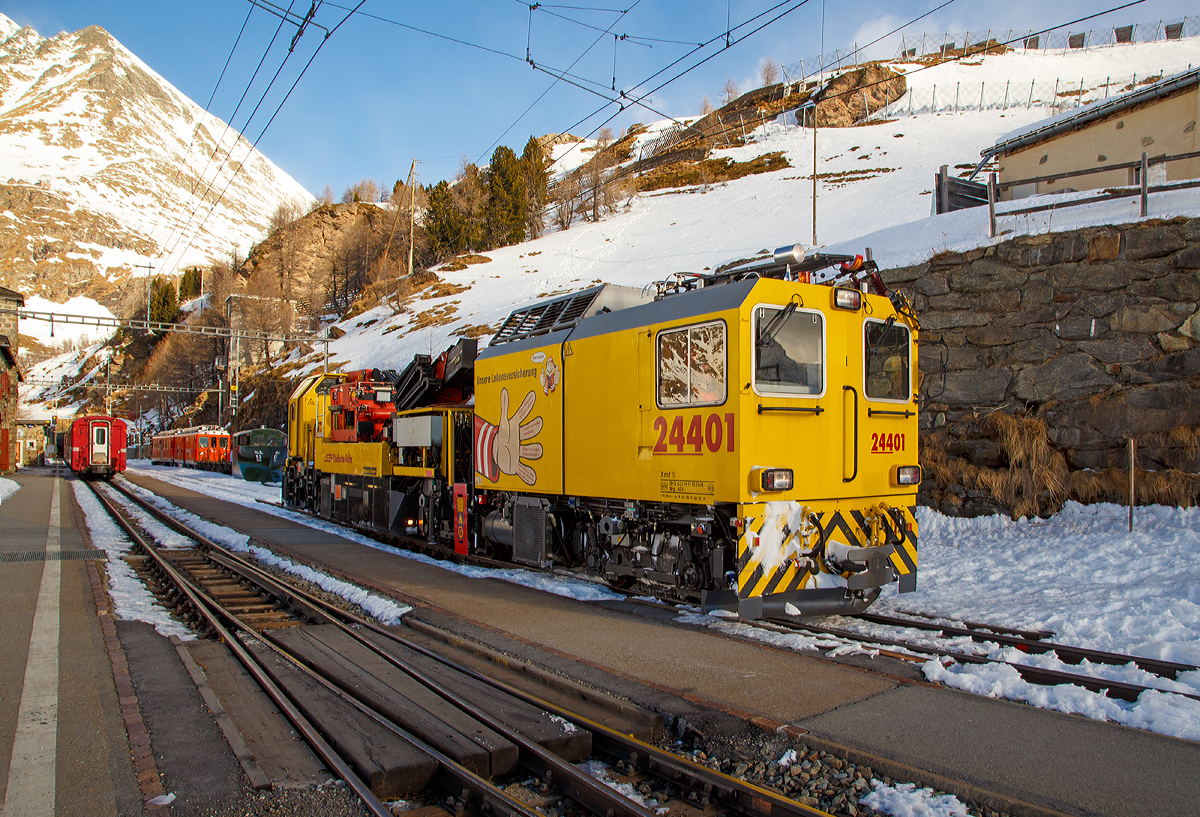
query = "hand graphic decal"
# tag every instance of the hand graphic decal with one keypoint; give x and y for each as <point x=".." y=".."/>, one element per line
<point x="501" y="449"/>
<point x="510" y="437"/>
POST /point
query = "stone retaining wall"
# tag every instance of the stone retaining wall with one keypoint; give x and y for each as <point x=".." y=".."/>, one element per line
<point x="1095" y="332"/>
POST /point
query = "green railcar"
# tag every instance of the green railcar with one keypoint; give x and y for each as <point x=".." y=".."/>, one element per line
<point x="260" y="454"/>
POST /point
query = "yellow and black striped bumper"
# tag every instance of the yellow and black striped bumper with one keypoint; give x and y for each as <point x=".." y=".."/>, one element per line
<point x="775" y="539"/>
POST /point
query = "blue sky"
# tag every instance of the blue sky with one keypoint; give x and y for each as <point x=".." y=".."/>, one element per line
<point x="378" y="95"/>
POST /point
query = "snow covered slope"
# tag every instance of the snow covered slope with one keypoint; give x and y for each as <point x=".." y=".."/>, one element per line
<point x="107" y="166"/>
<point x="874" y="190"/>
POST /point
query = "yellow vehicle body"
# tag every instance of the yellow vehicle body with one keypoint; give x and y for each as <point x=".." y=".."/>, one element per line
<point x="748" y="438"/>
<point x="588" y="414"/>
<point x="308" y="415"/>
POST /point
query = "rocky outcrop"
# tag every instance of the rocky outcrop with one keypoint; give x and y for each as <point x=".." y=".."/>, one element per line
<point x="849" y="97"/>
<point x="1094" y="333"/>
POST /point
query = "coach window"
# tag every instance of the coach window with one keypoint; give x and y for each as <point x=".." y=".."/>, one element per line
<point x="887" y="350"/>
<point x="692" y="365"/>
<point x="203" y="442"/>
<point x="789" y="348"/>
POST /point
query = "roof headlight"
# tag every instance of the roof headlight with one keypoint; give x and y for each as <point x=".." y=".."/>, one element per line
<point x="845" y="298"/>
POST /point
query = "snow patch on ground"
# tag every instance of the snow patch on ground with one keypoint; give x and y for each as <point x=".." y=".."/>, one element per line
<point x="7" y="488"/>
<point x="603" y="772"/>
<point x="130" y="598"/>
<point x="906" y="800"/>
<point x="382" y="609"/>
<point x="1153" y="711"/>
<point x="237" y="491"/>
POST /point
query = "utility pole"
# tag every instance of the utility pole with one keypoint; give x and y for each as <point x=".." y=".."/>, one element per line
<point x="412" y="213"/>
<point x="396" y="221"/>
<point x="233" y="364"/>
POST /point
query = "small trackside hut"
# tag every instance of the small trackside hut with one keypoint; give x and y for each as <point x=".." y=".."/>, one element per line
<point x="746" y="438"/>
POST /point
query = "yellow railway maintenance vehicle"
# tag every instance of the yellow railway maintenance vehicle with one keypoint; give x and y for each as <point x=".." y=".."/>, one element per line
<point x="745" y="438"/>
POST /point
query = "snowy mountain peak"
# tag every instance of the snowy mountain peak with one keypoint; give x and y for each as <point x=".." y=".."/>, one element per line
<point x="108" y="166"/>
<point x="8" y="28"/>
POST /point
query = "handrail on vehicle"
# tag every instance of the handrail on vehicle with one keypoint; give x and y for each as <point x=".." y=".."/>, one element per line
<point x="853" y="476"/>
<point x="871" y="412"/>
<point x="810" y="410"/>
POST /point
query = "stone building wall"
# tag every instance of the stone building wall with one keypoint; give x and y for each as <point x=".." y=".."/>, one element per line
<point x="1086" y="338"/>
<point x="8" y="379"/>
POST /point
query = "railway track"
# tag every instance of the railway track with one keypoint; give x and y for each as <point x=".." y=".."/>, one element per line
<point x="1032" y="642"/>
<point x="1028" y="642"/>
<point x="392" y="717"/>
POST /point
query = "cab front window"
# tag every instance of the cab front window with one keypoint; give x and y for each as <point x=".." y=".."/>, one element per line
<point x="789" y="349"/>
<point x="887" y="360"/>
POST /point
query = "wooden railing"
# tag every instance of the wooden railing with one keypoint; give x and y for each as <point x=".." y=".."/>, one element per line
<point x="1143" y="190"/>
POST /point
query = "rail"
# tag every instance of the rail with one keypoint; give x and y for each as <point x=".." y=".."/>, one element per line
<point x="1108" y="687"/>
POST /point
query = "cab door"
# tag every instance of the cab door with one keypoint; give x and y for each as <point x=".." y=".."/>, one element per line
<point x="792" y="409"/>
<point x="100" y="443"/>
<point x="888" y="420"/>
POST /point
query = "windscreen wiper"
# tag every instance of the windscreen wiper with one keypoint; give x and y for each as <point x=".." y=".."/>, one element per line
<point x="767" y="333"/>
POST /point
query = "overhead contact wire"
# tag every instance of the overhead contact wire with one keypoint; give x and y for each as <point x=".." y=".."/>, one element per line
<point x="229" y="153"/>
<point x="169" y="251"/>
<point x="278" y="108"/>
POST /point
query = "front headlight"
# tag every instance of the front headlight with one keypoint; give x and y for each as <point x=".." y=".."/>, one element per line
<point x="777" y="479"/>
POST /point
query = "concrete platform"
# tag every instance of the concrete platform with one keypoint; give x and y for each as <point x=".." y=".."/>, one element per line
<point x="1063" y="762"/>
<point x="98" y="716"/>
<point x="76" y="755"/>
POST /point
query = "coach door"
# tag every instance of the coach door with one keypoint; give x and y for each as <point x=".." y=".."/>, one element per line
<point x="100" y="443"/>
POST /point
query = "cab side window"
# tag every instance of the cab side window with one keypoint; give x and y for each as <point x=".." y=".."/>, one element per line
<point x="692" y="365"/>
<point x="887" y="360"/>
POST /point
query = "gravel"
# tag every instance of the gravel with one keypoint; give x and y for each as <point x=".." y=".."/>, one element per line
<point x="330" y="800"/>
<point x="809" y="776"/>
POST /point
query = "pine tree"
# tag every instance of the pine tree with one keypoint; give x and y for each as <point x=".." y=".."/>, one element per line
<point x="190" y="284"/>
<point x="507" y="199"/>
<point x="444" y="223"/>
<point x="163" y="306"/>
<point x="471" y="198"/>
<point x="537" y="179"/>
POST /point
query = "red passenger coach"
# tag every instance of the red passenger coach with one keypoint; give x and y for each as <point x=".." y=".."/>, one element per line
<point x="95" y="444"/>
<point x="204" y="447"/>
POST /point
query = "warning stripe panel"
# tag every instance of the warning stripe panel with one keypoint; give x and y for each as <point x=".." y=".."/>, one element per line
<point x="782" y="579"/>
<point x="897" y="526"/>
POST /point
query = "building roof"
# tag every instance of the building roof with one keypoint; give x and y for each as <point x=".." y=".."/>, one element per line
<point x="1093" y="112"/>
<point x="9" y="295"/>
